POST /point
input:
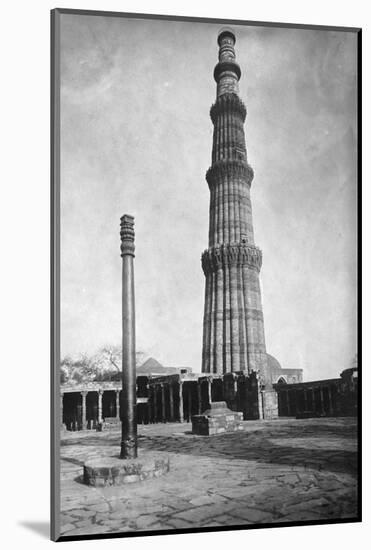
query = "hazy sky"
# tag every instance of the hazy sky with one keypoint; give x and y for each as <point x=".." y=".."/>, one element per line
<point x="136" y="139"/>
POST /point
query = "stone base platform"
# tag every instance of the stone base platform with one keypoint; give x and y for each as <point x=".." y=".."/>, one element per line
<point x="218" y="419"/>
<point x="107" y="472"/>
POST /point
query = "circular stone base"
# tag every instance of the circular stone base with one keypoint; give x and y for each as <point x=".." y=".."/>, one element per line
<point x="106" y="471"/>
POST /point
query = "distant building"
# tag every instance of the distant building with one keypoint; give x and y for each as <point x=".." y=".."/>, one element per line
<point x="278" y="375"/>
<point x="152" y="367"/>
<point x="332" y="397"/>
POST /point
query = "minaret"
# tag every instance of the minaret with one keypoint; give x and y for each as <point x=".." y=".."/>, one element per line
<point x="233" y="329"/>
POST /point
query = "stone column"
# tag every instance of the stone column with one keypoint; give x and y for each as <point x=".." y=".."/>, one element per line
<point x="163" y="409"/>
<point x="129" y="397"/>
<point x="189" y="402"/>
<point x="296" y="394"/>
<point x="171" y="397"/>
<point x="181" y="412"/>
<point x="100" y="396"/>
<point x="149" y="404"/>
<point x="118" y="404"/>
<point x="154" y="389"/>
<point x="238" y="394"/>
<point x="261" y="403"/>
<point x="288" y="403"/>
<point x="209" y="382"/>
<point x="321" y="396"/>
<point x="235" y="386"/>
<point x="199" y="398"/>
<point x="305" y="400"/>
<point x="335" y="399"/>
<point x="331" y="407"/>
<point x="61" y="409"/>
<point x="83" y="409"/>
<point x="235" y="393"/>
<point x="313" y="400"/>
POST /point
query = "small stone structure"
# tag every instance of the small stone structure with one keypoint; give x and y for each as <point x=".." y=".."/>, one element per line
<point x="218" y="419"/>
<point x="107" y="472"/>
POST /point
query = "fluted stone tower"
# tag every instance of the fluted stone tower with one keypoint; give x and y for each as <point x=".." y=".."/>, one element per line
<point x="233" y="329"/>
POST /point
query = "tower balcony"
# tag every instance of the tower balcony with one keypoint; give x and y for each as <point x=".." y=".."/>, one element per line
<point x="228" y="103"/>
<point x="222" y="169"/>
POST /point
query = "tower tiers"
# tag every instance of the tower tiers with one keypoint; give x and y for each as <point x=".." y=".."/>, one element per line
<point x="233" y="329"/>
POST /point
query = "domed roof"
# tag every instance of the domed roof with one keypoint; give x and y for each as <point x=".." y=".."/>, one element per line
<point x="273" y="363"/>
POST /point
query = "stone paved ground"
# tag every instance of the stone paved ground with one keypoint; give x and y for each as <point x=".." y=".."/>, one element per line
<point x="272" y="472"/>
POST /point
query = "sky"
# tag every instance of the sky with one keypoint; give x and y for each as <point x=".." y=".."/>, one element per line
<point x="136" y="138"/>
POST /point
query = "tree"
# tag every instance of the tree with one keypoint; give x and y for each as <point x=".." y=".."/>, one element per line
<point x="66" y="369"/>
<point x="79" y="369"/>
<point x="105" y="364"/>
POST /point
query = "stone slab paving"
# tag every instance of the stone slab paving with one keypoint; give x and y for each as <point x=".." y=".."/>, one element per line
<point x="271" y="472"/>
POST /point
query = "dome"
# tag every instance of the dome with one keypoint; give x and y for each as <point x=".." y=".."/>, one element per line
<point x="273" y="364"/>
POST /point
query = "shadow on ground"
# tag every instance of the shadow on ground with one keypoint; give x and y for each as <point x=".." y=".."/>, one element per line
<point x="42" y="528"/>
<point x="339" y="461"/>
<point x="261" y="446"/>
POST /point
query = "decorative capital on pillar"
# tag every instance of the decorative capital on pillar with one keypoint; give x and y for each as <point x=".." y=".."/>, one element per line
<point x="228" y="103"/>
<point x="127" y="235"/>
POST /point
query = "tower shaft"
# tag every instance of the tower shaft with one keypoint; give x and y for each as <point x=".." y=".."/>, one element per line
<point x="233" y="328"/>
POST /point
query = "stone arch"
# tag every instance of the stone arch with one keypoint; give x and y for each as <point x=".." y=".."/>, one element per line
<point x="281" y="380"/>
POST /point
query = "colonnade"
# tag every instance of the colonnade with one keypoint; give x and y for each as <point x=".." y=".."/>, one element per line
<point x="165" y="399"/>
<point x="322" y="398"/>
<point x="75" y="411"/>
<point x="176" y="400"/>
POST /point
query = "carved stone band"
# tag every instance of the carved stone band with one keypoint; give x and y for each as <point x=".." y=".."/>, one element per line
<point x="228" y="103"/>
<point x="234" y="254"/>
<point x="127" y="235"/>
<point x="224" y="168"/>
<point x="227" y="66"/>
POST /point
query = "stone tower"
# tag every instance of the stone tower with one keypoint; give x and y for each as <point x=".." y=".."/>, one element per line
<point x="233" y="328"/>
